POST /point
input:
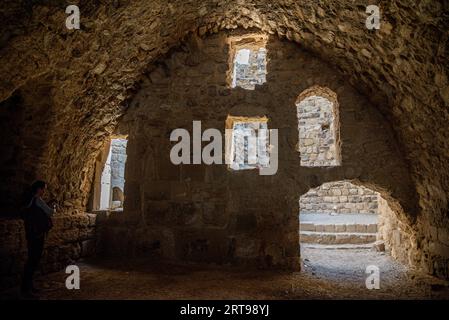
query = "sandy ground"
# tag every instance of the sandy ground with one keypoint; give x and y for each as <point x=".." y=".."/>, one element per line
<point x="326" y="274"/>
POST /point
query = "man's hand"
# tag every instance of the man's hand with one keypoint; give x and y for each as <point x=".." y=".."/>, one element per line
<point x="53" y="204"/>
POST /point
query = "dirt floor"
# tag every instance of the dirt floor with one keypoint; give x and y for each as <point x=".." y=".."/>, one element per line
<point x="326" y="274"/>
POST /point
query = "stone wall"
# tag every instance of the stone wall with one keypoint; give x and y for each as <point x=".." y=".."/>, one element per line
<point x="208" y="213"/>
<point x="405" y="245"/>
<point x="248" y="75"/>
<point x="394" y="233"/>
<point x="23" y="119"/>
<point x="72" y="237"/>
<point x="389" y="66"/>
<point x="339" y="197"/>
<point x="318" y="136"/>
<point x="246" y="155"/>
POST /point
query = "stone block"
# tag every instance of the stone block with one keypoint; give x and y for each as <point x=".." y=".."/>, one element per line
<point x="214" y="214"/>
<point x="371" y="228"/>
<point x="133" y="198"/>
<point x="193" y="172"/>
<point x="307" y="227"/>
<point x="156" y="211"/>
<point x="443" y="236"/>
<point x="438" y="248"/>
<point x="351" y="228"/>
<point x="179" y="190"/>
<point x="88" y="248"/>
<point x="183" y="213"/>
<point x="246" y="222"/>
<point x="379" y="246"/>
<point x="336" y="192"/>
<point x="157" y="190"/>
<point x="92" y="219"/>
<point x="167" y="170"/>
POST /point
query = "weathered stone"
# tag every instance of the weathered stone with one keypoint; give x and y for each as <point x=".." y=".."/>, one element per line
<point x="333" y="197"/>
<point x="400" y="147"/>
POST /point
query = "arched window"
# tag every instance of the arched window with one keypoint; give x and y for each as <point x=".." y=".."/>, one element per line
<point x="117" y="194"/>
<point x="318" y="126"/>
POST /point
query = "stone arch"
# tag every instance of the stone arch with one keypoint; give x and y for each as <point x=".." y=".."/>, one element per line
<point x="319" y="127"/>
<point x="395" y="228"/>
<point x="117" y="194"/>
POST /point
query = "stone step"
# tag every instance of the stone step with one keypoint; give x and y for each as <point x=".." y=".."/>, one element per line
<point x="336" y="238"/>
<point x="347" y="246"/>
<point x="339" y="227"/>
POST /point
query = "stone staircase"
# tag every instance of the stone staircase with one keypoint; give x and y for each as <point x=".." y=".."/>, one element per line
<point x="338" y="231"/>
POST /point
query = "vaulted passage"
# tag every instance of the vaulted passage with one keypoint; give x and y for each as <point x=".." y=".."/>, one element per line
<point x="254" y="137"/>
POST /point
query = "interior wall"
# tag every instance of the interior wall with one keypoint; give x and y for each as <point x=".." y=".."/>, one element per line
<point x="340" y="197"/>
<point x="403" y="70"/>
<point x="211" y="214"/>
<point x="26" y="129"/>
<point x="25" y="122"/>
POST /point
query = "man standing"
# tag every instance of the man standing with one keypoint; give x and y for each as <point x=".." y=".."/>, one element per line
<point x="37" y="219"/>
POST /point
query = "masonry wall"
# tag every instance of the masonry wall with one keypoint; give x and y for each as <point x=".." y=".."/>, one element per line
<point x="24" y="119"/>
<point x="396" y="234"/>
<point x="318" y="143"/>
<point x="208" y="213"/>
<point x="72" y="237"/>
<point x="249" y="75"/>
<point x="340" y="198"/>
<point x="103" y="71"/>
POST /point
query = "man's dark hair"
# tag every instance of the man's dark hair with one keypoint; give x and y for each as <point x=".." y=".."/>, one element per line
<point x="39" y="184"/>
<point x="30" y="191"/>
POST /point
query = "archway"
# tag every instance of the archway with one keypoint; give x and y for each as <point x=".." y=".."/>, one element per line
<point x="347" y="230"/>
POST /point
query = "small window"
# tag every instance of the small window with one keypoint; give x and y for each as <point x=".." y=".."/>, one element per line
<point x="249" y="63"/>
<point x="318" y="126"/>
<point x="249" y="145"/>
<point x="108" y="194"/>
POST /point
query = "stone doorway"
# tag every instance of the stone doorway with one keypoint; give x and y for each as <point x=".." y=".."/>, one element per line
<point x="344" y="232"/>
<point x="339" y="214"/>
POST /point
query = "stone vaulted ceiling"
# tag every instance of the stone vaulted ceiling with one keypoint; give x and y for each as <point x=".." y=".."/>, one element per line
<point x="402" y="68"/>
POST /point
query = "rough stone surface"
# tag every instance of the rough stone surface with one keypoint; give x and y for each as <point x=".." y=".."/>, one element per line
<point x="89" y="75"/>
<point x="72" y="237"/>
<point x="251" y="72"/>
<point x="211" y="214"/>
<point x="327" y="274"/>
<point x="318" y="131"/>
<point x="339" y="198"/>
